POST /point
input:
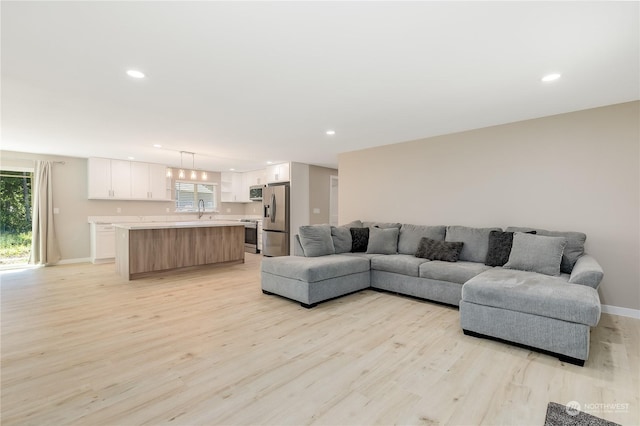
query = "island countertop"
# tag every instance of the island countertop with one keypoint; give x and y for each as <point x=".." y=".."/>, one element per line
<point x="146" y="248"/>
<point x="180" y="224"/>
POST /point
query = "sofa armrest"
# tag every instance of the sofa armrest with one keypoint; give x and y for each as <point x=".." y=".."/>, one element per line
<point x="297" y="246"/>
<point x="587" y="271"/>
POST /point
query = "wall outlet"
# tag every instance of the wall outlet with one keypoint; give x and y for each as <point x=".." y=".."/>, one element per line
<point x="167" y="209"/>
<point x="316" y="210"/>
<point x="118" y="210"/>
<point x="56" y="210"/>
<point x="228" y="210"/>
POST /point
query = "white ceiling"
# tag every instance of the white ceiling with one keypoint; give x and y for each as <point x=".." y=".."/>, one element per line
<point x="241" y="83"/>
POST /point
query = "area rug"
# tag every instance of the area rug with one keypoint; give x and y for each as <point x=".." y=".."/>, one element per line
<point x="565" y="415"/>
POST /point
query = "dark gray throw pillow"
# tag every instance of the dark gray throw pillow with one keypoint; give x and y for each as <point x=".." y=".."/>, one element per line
<point x="500" y="247"/>
<point x="359" y="239"/>
<point x="449" y="251"/>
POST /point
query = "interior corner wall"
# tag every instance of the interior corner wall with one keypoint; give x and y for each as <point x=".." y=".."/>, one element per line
<point x="571" y="172"/>
<point x="319" y="194"/>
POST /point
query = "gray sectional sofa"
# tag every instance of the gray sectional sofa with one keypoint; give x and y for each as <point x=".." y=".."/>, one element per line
<point x="530" y="287"/>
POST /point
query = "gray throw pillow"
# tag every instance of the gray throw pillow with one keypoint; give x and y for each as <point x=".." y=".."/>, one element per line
<point x="410" y="236"/>
<point x="383" y="241"/>
<point x="536" y="253"/>
<point x="448" y="251"/>
<point x="573" y="250"/>
<point x="341" y="237"/>
<point x="316" y="240"/>
<point x="476" y="241"/>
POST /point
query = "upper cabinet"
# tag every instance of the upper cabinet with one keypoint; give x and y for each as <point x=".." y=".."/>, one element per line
<point x="256" y="177"/>
<point x="278" y="173"/>
<point x="234" y="188"/>
<point x="126" y="180"/>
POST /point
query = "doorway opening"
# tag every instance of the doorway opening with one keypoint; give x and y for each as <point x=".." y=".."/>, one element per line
<point x="333" y="200"/>
<point x="15" y="217"/>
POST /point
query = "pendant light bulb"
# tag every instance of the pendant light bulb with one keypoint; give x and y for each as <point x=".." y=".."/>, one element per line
<point x="169" y="172"/>
<point x="181" y="172"/>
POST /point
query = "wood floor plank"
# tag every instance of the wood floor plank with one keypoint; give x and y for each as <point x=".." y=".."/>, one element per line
<point x="80" y="345"/>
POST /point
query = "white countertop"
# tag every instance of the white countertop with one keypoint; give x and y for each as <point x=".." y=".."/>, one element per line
<point x="188" y="224"/>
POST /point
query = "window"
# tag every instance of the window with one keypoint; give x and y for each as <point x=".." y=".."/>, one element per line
<point x="189" y="193"/>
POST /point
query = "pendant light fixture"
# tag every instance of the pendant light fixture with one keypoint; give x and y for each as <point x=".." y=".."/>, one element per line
<point x="181" y="172"/>
<point x="194" y="174"/>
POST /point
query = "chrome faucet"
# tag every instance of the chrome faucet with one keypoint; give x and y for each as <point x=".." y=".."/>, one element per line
<point x="200" y="206"/>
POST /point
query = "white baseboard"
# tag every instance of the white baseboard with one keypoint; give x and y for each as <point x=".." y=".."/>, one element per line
<point x="78" y="260"/>
<point x="623" y="312"/>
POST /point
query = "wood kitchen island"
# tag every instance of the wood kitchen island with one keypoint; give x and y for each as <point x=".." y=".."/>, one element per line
<point x="143" y="249"/>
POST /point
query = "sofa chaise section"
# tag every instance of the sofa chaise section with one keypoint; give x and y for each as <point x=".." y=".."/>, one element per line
<point x="311" y="280"/>
<point x="534" y="310"/>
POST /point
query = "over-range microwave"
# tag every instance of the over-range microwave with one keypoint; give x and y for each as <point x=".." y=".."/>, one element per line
<point x="255" y="192"/>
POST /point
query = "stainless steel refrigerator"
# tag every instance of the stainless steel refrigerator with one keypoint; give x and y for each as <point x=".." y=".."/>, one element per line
<point x="275" y="220"/>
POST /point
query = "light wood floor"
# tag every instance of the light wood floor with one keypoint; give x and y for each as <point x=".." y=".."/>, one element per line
<point x="82" y="346"/>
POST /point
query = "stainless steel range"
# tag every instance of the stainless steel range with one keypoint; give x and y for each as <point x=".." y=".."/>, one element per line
<point x="251" y="235"/>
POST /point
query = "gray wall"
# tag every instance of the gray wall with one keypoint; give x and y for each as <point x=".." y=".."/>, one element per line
<point x="578" y="171"/>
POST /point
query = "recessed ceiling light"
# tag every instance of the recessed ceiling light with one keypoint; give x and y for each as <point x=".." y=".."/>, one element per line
<point x="233" y="170"/>
<point x="131" y="158"/>
<point x="551" y="77"/>
<point x="157" y="145"/>
<point x="269" y="162"/>
<point x="330" y="132"/>
<point x="135" y="74"/>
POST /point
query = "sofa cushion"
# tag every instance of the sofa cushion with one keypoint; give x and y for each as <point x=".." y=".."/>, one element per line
<point x="341" y="237"/>
<point x="359" y="239"/>
<point x="573" y="250"/>
<point x="536" y="253"/>
<point x="410" y="236"/>
<point x="404" y="264"/>
<point x="312" y="269"/>
<point x="383" y="241"/>
<point x="382" y="225"/>
<point x="353" y="224"/>
<point x="534" y="293"/>
<point x="476" y="241"/>
<point x="316" y="240"/>
<point x="439" y="250"/>
<point x="459" y="272"/>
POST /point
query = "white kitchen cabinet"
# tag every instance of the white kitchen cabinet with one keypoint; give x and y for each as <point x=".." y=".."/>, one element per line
<point x="233" y="185"/>
<point x="148" y="181"/>
<point x="103" y="243"/>
<point x="278" y="173"/>
<point x="126" y="180"/>
<point x="109" y="179"/>
<point x="256" y="177"/>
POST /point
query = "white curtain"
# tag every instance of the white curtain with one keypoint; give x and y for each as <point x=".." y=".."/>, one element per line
<point x="44" y="245"/>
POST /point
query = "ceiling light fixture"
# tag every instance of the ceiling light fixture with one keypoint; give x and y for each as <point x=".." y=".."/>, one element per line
<point x="157" y="145"/>
<point x="135" y="74"/>
<point x="269" y="162"/>
<point x="551" y="77"/>
<point x="232" y="169"/>
<point x="330" y="132"/>
<point x="131" y="158"/>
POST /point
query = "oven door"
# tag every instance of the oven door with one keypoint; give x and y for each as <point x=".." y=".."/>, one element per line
<point x="251" y="238"/>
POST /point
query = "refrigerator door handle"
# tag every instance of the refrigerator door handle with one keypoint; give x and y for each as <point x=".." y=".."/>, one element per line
<point x="273" y="208"/>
